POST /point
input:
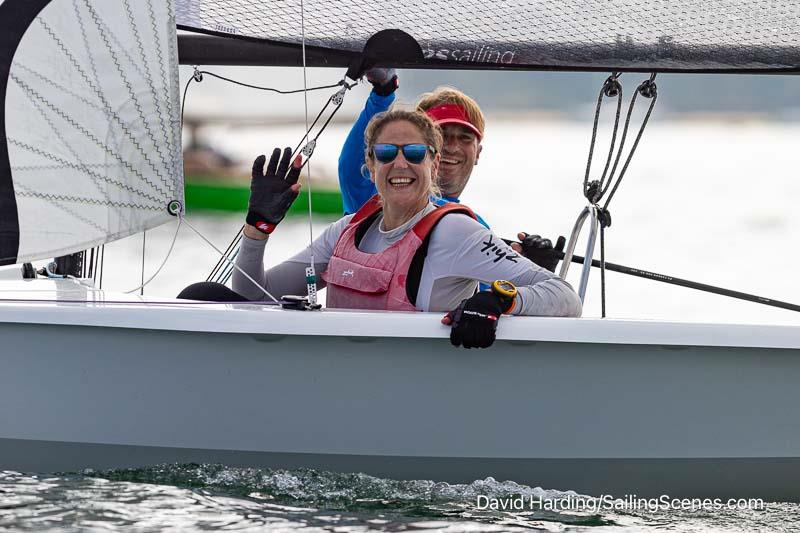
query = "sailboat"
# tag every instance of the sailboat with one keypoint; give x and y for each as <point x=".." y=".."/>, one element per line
<point x="90" y="153"/>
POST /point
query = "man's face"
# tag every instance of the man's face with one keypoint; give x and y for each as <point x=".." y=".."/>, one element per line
<point x="460" y="153"/>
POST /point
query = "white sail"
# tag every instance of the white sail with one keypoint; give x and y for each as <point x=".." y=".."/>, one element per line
<point x="92" y="123"/>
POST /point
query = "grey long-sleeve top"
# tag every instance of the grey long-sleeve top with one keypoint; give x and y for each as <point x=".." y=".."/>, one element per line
<point x="461" y="253"/>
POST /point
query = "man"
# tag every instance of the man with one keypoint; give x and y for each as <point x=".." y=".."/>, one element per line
<point x="462" y="123"/>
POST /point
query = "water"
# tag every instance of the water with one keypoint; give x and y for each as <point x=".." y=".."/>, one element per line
<point x="214" y="497"/>
<point x="705" y="200"/>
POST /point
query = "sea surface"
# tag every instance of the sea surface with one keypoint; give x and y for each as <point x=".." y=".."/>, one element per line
<point x="713" y="201"/>
<point x="218" y="498"/>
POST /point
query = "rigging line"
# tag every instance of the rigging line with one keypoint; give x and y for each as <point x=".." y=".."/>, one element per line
<point x="310" y="271"/>
<point x="602" y="270"/>
<point x="90" y="273"/>
<point x="101" y="259"/>
<point x="648" y="89"/>
<point x="185" y="91"/>
<point x="294" y="91"/>
<point x="234" y="242"/>
<point x="611" y="88"/>
<point x="226" y="275"/>
<point x="615" y="88"/>
<point x="164" y="262"/>
<point x="144" y="243"/>
<point x="245" y="274"/>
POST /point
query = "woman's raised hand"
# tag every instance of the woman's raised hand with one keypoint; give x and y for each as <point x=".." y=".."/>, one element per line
<point x="272" y="193"/>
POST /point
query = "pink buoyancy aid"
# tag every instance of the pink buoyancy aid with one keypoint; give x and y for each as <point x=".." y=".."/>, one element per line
<point x="360" y="280"/>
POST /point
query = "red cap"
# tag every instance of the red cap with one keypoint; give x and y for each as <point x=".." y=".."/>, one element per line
<point x="452" y="114"/>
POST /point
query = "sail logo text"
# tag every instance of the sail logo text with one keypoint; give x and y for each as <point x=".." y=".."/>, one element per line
<point x="481" y="54"/>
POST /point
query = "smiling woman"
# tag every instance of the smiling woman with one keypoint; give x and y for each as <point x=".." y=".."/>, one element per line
<point x="404" y="180"/>
<point x="399" y="252"/>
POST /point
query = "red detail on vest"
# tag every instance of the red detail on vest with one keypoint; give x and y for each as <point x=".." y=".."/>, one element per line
<point x="359" y="280"/>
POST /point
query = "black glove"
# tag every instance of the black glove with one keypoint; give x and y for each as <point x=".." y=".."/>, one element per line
<point x="473" y="323"/>
<point x="271" y="194"/>
<point x="542" y="252"/>
<point x="383" y="80"/>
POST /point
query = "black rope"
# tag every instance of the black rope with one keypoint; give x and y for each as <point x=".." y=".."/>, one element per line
<point x="649" y="90"/>
<point x="183" y="101"/>
<point x="293" y="91"/>
<point x="595" y="190"/>
<point x="612" y="89"/>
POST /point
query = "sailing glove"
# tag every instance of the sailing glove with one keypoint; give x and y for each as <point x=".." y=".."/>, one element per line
<point x="474" y="322"/>
<point x="541" y="250"/>
<point x="384" y="80"/>
<point x="272" y="193"/>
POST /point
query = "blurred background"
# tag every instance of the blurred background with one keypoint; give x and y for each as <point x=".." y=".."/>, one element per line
<point x="710" y="194"/>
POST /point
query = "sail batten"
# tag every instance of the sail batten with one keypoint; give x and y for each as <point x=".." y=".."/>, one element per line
<point x="675" y="35"/>
<point x="91" y="124"/>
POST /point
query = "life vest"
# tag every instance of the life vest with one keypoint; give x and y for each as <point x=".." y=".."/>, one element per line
<point x="388" y="280"/>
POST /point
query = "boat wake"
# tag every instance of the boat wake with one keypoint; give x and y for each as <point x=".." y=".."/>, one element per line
<point x="210" y="497"/>
<point x="321" y="487"/>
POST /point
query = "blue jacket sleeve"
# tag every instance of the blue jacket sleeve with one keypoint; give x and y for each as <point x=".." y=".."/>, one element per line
<point x="356" y="189"/>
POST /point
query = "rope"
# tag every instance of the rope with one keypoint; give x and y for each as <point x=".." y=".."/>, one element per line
<point x="649" y="90"/>
<point x="594" y="191"/>
<point x="305" y="88"/>
<point x="158" y="270"/>
<point x="611" y="88"/>
<point x="311" y="281"/>
<point x="234" y="243"/>
<point x="245" y="274"/>
<point x="144" y="244"/>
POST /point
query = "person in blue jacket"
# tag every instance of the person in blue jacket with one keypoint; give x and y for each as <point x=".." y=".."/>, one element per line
<point x="462" y="123"/>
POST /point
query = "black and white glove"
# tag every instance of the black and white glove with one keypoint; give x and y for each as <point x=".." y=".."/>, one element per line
<point x="541" y="251"/>
<point x="272" y="193"/>
<point x="384" y="80"/>
<point x="474" y="322"/>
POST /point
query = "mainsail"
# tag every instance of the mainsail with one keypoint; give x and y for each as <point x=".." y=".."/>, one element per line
<point x="90" y="146"/>
<point x="673" y="35"/>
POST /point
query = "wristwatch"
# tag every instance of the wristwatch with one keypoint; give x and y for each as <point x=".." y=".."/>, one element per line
<point x="506" y="292"/>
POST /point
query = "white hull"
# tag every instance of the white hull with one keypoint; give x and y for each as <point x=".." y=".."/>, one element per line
<point x="597" y="406"/>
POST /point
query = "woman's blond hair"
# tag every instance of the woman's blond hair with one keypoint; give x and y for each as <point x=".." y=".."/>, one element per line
<point x="430" y="132"/>
<point x="450" y="95"/>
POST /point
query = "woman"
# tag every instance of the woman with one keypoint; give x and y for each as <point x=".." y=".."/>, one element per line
<point x="399" y="251"/>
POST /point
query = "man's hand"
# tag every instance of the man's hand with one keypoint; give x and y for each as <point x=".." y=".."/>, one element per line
<point x="540" y="250"/>
<point x="272" y="193"/>
<point x="383" y="80"/>
<point x="474" y="322"/>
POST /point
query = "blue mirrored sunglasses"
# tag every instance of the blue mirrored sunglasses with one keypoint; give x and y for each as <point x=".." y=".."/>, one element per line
<point x="414" y="153"/>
